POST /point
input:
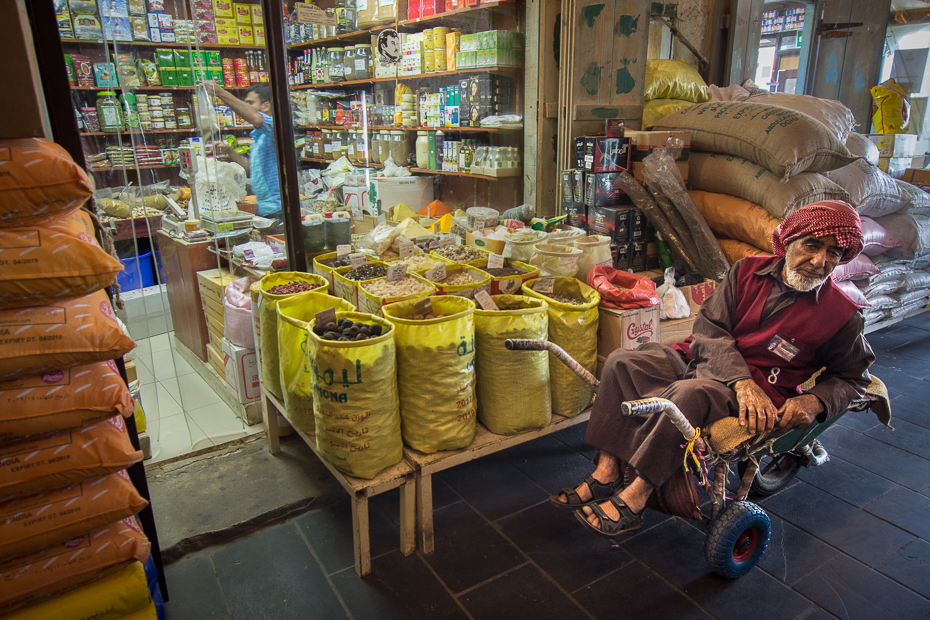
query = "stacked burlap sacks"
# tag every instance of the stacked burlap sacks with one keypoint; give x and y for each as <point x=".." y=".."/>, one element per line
<point x="67" y="505"/>
<point x="671" y="85"/>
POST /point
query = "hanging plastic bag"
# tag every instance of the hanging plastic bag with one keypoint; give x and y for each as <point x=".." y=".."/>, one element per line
<point x="673" y="305"/>
<point x="595" y="250"/>
<point x="436" y="372"/>
<point x="355" y="401"/>
<point x="294" y="316"/>
<point x="237" y="310"/>
<point x="622" y="289"/>
<point x="574" y="328"/>
<point x="555" y="260"/>
<point x="519" y="245"/>
<point x="893" y="107"/>
<point x="268" y="316"/>
<point x="513" y="386"/>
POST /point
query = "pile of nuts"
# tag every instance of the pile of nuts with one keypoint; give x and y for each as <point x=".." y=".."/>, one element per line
<point x="564" y="299"/>
<point x="457" y="279"/>
<point x="344" y="330"/>
<point x="501" y="272"/>
<point x="289" y="288"/>
<point x="426" y="317"/>
<point x="367" y="271"/>
<point x="342" y="261"/>
<point x="459" y="253"/>
<point x="397" y="288"/>
<point x="419" y="262"/>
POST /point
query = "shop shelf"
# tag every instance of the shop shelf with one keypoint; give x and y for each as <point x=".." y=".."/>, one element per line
<point x="394" y="128"/>
<point x="487" y="6"/>
<point x="133" y="168"/>
<point x="97" y="88"/>
<point x="141" y="132"/>
<point x="418" y="76"/>
<point x="358" y="35"/>
<point x="211" y="46"/>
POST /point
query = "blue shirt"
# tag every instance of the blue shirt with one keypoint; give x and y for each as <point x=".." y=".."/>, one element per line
<point x="263" y="168"/>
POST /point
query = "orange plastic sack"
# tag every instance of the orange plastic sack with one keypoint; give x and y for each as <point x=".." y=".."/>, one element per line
<point x="40" y="520"/>
<point x="62" y="399"/>
<point x="41" y="264"/>
<point x="736" y="218"/>
<point x="40" y="181"/>
<point x="41" y="338"/>
<point x="41" y="463"/>
<point x="622" y="289"/>
<point x="28" y="579"/>
<point x="737" y="250"/>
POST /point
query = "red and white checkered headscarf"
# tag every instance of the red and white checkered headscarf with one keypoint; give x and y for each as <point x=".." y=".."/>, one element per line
<point x="822" y="219"/>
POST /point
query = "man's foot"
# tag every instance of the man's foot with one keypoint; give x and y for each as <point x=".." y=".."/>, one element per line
<point x="591" y="490"/>
<point x="610" y="518"/>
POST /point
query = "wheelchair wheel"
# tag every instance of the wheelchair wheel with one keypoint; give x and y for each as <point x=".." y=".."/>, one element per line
<point x="737" y="539"/>
<point x="775" y="472"/>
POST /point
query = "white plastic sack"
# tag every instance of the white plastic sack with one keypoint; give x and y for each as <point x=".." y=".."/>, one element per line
<point x="871" y="191"/>
<point x="854" y="293"/>
<point x="860" y="146"/>
<point x="555" y="260"/>
<point x="914" y="231"/>
<point x="519" y="245"/>
<point x="218" y="184"/>
<point x="914" y="200"/>
<point x="916" y="279"/>
<point x="237" y="306"/>
<point x="875" y="239"/>
<point x="595" y="251"/>
<point x="672" y="302"/>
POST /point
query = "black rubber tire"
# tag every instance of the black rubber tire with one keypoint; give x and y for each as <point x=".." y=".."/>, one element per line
<point x="777" y="478"/>
<point x="737" y="539"/>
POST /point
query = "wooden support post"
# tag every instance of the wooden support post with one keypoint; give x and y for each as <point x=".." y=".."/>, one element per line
<point x="270" y="422"/>
<point x="408" y="516"/>
<point x="424" y="493"/>
<point x="360" y="540"/>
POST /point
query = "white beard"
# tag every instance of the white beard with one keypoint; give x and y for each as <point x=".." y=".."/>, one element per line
<point x="799" y="282"/>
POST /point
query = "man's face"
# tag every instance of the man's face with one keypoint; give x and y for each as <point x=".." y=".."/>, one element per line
<point x="255" y="101"/>
<point x="810" y="260"/>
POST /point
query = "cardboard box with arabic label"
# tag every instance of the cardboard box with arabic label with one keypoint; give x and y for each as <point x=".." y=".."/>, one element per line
<point x="626" y="329"/>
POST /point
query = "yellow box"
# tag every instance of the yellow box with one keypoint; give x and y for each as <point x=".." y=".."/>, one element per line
<point x="259" y="35"/>
<point x="216" y="359"/>
<point x="225" y="22"/>
<point x="223" y="8"/>
<point x="227" y="39"/>
<point x="257" y="18"/>
<point x="214" y="280"/>
<point x="243" y="14"/>
<point x="210" y="300"/>
<point x="246" y="35"/>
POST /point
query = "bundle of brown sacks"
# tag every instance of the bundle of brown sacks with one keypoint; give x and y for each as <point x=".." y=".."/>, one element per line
<point x="70" y="543"/>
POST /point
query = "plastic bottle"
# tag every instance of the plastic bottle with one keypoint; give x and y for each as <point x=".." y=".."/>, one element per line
<point x="422" y="149"/>
<point x="432" y="150"/>
<point x="440" y="149"/>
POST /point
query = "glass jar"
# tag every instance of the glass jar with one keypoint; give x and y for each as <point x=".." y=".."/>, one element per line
<point x="350" y="147"/>
<point x="422" y="148"/>
<point x="183" y="116"/>
<point x="363" y="61"/>
<point x="108" y="113"/>
<point x="373" y="146"/>
<point x="316" y="144"/>
<point x="335" y="145"/>
<point x="348" y="64"/>
<point x="362" y="148"/>
<point x="327" y="144"/>
<point x="400" y="148"/>
<point x="384" y="146"/>
<point x="335" y="64"/>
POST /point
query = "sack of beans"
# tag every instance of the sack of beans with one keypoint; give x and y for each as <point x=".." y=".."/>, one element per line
<point x="834" y="115"/>
<point x="509" y="279"/>
<point x="276" y="287"/>
<point x="355" y="400"/>
<point x="373" y="294"/>
<point x="784" y="141"/>
<point x="513" y="386"/>
<point x="462" y="281"/>
<point x="726" y="174"/>
<point x="736" y="250"/>
<point x="435" y="339"/>
<point x="347" y="279"/>
<point x="573" y="322"/>
<point x="736" y="218"/>
<point x="294" y="316"/>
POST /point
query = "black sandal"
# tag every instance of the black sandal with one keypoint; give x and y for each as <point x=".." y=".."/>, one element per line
<point x="599" y="492"/>
<point x="629" y="521"/>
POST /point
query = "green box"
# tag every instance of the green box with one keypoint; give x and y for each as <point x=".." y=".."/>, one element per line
<point x="466" y="60"/>
<point x="215" y="74"/>
<point x="468" y="43"/>
<point x="169" y="76"/>
<point x="499" y="39"/>
<point x="164" y="58"/>
<point x="182" y="59"/>
<point x="185" y="77"/>
<point x="214" y="59"/>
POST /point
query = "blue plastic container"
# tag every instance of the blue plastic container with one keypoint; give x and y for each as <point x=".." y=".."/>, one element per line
<point x="137" y="274"/>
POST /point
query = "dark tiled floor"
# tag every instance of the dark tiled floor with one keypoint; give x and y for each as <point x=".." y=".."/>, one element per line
<point x="850" y="539"/>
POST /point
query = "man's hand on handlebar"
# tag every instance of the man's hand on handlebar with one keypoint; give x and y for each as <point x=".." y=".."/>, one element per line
<point x="756" y="411"/>
<point x="799" y="411"/>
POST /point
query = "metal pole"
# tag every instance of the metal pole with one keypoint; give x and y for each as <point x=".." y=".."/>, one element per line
<point x="284" y="134"/>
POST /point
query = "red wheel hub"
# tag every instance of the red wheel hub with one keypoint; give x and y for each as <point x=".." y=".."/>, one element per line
<point x="745" y="545"/>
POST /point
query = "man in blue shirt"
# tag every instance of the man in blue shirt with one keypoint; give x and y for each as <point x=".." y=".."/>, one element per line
<point x="262" y="162"/>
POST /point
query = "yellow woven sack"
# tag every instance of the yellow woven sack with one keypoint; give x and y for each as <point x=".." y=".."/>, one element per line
<point x="673" y="79"/>
<point x="321" y="267"/>
<point x="294" y="314"/>
<point x="657" y="109"/>
<point x="355" y="400"/>
<point x="109" y="598"/>
<point x="368" y="302"/>
<point x="481" y="281"/>
<point x="510" y="285"/>
<point x="346" y="288"/>
<point x="436" y="373"/>
<point x="513" y="386"/>
<point x="893" y="107"/>
<point x="574" y="328"/>
<point x="268" y="318"/>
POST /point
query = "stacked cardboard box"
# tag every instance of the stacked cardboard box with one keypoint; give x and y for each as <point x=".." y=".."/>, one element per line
<point x="212" y="284"/>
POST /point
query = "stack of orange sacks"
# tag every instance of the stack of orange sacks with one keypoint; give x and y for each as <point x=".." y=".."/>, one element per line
<point x="70" y="544"/>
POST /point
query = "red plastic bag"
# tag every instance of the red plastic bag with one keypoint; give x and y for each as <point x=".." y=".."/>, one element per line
<point x="608" y="282"/>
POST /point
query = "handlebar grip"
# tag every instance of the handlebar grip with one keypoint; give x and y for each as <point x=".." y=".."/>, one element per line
<point x="522" y="344"/>
<point x="643" y="406"/>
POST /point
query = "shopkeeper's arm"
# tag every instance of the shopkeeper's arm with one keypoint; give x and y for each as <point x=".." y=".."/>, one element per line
<point x="233" y="156"/>
<point x="247" y="112"/>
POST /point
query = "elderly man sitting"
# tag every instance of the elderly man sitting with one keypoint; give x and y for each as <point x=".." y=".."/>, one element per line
<point x="766" y="329"/>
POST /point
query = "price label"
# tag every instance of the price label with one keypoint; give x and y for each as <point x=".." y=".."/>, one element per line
<point x="436" y="274"/>
<point x="495" y="261"/>
<point x="544" y="285"/>
<point x="406" y="250"/>
<point x="447" y="241"/>
<point x="485" y="222"/>
<point x="382" y="218"/>
<point x="342" y="250"/>
<point x="311" y="14"/>
<point x="424" y="306"/>
<point x="568" y="262"/>
<point x="326" y="316"/>
<point x="357" y="260"/>
<point x="396" y="272"/>
<point x="484" y="299"/>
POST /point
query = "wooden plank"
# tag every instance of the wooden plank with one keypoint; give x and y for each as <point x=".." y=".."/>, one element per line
<point x="829" y="51"/>
<point x="862" y="64"/>
<point x="743" y="46"/>
<point x="596" y="112"/>
<point x="408" y="517"/>
<point x="270" y="421"/>
<point x="361" y="542"/>
<point x="424" y="494"/>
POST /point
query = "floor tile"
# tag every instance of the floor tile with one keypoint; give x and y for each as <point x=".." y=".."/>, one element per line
<point x="911" y="410"/>
<point x="161" y="342"/>
<point x="846" y="481"/>
<point x="329" y="531"/>
<point x="170" y="436"/>
<point x="894" y="336"/>
<point x="219" y="422"/>
<point x="917" y="348"/>
<point x="168" y="363"/>
<point x="551" y="464"/>
<point x="468" y="550"/>
<point x="910" y="566"/>
<point x="562" y="547"/>
<point x="854" y="591"/>
<point x="869" y="453"/>
<point x="842" y="525"/>
<point x="907" y="364"/>
<point x="909" y="437"/>
<point x="900" y="381"/>
<point x="388" y="503"/>
<point x="574" y="437"/>
<point x="494" y="487"/>
<point x="636" y="592"/>
<point x="194" y="589"/>
<point x="860" y="421"/>
<point x="157" y="402"/>
<point x="199" y="439"/>
<point x="272" y="574"/>
<point x="191" y="391"/>
<point x="908" y="510"/>
<point x="793" y="553"/>
<point x="401" y="588"/>
<point x="522" y="594"/>
<point x="143" y="373"/>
